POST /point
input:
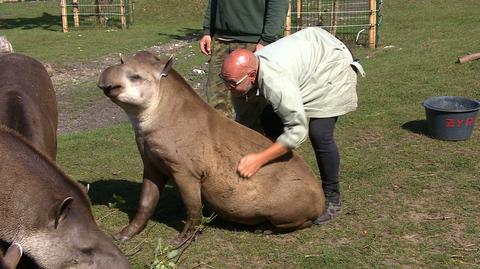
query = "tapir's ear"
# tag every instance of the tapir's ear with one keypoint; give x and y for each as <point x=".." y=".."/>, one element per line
<point x="167" y="66"/>
<point x="62" y="210"/>
<point x="121" y="58"/>
<point x="12" y="256"/>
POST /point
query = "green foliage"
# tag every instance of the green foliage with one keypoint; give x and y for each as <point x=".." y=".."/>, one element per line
<point x="167" y="257"/>
<point x="164" y="257"/>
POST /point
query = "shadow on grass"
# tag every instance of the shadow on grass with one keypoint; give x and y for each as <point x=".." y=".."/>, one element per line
<point x="170" y="209"/>
<point x="46" y="22"/>
<point x="417" y="126"/>
<point x="188" y="34"/>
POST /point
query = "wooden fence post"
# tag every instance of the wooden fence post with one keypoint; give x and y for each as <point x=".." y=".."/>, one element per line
<point x="333" y="24"/>
<point x="76" y="21"/>
<point x="130" y="11"/>
<point x="63" y="5"/>
<point x="299" y="15"/>
<point x="373" y="23"/>
<point x="122" y="14"/>
<point x="288" y="20"/>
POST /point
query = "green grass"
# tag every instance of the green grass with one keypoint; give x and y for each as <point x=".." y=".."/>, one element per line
<point x="35" y="29"/>
<point x="84" y="95"/>
<point x="410" y="201"/>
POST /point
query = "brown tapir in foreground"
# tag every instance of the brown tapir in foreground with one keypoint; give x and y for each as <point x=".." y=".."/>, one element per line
<point x="47" y="213"/>
<point x="27" y="101"/>
<point x="181" y="137"/>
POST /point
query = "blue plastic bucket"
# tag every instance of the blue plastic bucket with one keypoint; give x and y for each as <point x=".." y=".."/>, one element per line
<point x="451" y="117"/>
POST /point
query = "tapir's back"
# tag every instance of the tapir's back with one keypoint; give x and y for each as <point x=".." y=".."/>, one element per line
<point x="27" y="101"/>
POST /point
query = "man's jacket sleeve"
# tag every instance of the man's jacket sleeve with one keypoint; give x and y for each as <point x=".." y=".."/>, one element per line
<point x="287" y="102"/>
<point x="207" y="20"/>
<point x="275" y="14"/>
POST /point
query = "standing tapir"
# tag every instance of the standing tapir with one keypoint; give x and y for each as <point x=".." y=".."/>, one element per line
<point x="27" y="101"/>
<point x="47" y="213"/>
<point x="181" y="137"/>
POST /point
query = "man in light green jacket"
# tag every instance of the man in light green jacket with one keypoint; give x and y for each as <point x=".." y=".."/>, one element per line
<point x="309" y="79"/>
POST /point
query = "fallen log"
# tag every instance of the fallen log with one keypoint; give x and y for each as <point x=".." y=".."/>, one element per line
<point x="470" y="57"/>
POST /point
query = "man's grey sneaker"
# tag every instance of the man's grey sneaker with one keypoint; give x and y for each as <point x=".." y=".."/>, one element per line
<point x="333" y="206"/>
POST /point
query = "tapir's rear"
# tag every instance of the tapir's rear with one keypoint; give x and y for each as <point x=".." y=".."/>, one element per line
<point x="284" y="192"/>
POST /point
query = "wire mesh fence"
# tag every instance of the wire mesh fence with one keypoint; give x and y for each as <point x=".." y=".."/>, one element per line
<point x="352" y="21"/>
<point x="71" y="14"/>
<point x="108" y="14"/>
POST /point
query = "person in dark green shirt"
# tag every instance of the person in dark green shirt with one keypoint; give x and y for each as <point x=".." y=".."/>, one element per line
<point x="232" y="24"/>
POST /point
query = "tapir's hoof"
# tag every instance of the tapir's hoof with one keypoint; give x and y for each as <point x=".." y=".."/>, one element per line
<point x="182" y="238"/>
<point x="177" y="240"/>
<point x="265" y="232"/>
<point x="123" y="235"/>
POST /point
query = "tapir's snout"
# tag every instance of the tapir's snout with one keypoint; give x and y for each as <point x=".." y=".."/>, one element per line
<point x="96" y="251"/>
<point x="110" y="82"/>
<point x="112" y="258"/>
<point x="110" y="90"/>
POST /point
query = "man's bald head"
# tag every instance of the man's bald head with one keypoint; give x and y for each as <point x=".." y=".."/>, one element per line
<point x="238" y="63"/>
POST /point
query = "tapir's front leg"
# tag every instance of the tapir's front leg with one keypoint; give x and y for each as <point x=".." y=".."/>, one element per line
<point x="153" y="184"/>
<point x="190" y="190"/>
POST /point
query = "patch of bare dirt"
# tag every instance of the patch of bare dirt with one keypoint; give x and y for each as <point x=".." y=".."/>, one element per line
<point x="67" y="80"/>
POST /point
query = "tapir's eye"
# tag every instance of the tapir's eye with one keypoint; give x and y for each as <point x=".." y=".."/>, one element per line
<point x="135" y="77"/>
